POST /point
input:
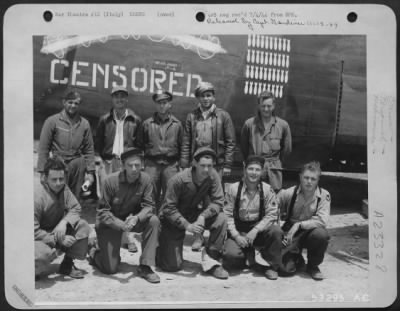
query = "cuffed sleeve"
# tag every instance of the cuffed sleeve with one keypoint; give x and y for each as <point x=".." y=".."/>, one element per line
<point x="74" y="208"/>
<point x="186" y="142"/>
<point x="40" y="234"/>
<point x="286" y="143"/>
<point x="88" y="149"/>
<point x="104" y="213"/>
<point x="228" y="210"/>
<point x="230" y="140"/>
<point x="216" y="198"/>
<point x="321" y="217"/>
<point x="170" y="207"/>
<point x="147" y="203"/>
<point x="271" y="210"/>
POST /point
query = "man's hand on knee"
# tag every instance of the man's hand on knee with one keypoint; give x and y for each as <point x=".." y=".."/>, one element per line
<point x="68" y="241"/>
<point x="59" y="231"/>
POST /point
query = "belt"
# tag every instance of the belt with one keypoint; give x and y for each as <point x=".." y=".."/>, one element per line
<point x="110" y="157"/>
<point x="162" y="158"/>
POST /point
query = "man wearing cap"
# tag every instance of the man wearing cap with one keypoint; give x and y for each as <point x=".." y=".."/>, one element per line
<point x="268" y="136"/>
<point x="252" y="213"/>
<point x="57" y="222"/>
<point x="68" y="135"/>
<point x="193" y="202"/>
<point x="127" y="205"/>
<point x="160" y="137"/>
<point x="208" y="126"/>
<point x="306" y="209"/>
<point x="116" y="131"/>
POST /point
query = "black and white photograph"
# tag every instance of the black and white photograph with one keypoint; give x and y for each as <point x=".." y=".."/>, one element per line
<point x="197" y="169"/>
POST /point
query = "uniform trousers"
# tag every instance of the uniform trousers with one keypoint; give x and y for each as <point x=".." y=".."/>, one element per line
<point x="107" y="256"/>
<point x="160" y="174"/>
<point x="44" y="254"/>
<point x="269" y="242"/>
<point x="76" y="175"/>
<point x="170" y="251"/>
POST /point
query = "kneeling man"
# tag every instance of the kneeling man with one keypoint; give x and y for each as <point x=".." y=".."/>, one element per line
<point x="58" y="224"/>
<point x="127" y="205"/>
<point x="306" y="208"/>
<point x="193" y="202"/>
<point x="252" y="211"/>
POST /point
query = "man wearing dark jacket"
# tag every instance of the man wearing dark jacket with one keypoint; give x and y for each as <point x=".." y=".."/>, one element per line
<point x="160" y="137"/>
<point x="193" y="202"/>
<point x="212" y="127"/>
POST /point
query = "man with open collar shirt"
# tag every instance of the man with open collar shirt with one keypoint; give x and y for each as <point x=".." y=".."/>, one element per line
<point x="268" y="136"/>
<point x="127" y="205"/>
<point x="306" y="208"/>
<point x="57" y="222"/>
<point x="160" y="137"/>
<point x="117" y="131"/>
<point x="212" y="127"/>
<point x="193" y="202"/>
<point x="252" y="211"/>
<point x="68" y="135"/>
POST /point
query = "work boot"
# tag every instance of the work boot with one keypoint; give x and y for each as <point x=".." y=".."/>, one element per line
<point x="271" y="274"/>
<point x="198" y="242"/>
<point x="68" y="268"/>
<point x="315" y="273"/>
<point x="219" y="272"/>
<point x="148" y="274"/>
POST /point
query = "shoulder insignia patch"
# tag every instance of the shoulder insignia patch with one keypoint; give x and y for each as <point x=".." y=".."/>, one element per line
<point x="328" y="197"/>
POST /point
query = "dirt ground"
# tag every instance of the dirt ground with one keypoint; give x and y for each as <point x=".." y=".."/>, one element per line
<point x="345" y="268"/>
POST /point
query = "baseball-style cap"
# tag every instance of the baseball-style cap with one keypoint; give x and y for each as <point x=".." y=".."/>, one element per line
<point x="265" y="94"/>
<point x="161" y="95"/>
<point x="203" y="87"/>
<point x="202" y="151"/>
<point x="129" y="152"/>
<point x="119" y="89"/>
<point x="71" y="95"/>
<point x="254" y="159"/>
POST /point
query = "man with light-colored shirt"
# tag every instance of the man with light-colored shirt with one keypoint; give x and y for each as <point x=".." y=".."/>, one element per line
<point x="252" y="212"/>
<point x="268" y="136"/>
<point x="117" y="131"/>
<point x="306" y="208"/>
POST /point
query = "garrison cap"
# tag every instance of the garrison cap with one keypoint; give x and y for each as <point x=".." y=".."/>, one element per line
<point x="202" y="151"/>
<point x="254" y="159"/>
<point x="72" y="95"/>
<point x="131" y="152"/>
<point x="266" y="94"/>
<point x="203" y="87"/>
<point x="161" y="95"/>
<point x="116" y="89"/>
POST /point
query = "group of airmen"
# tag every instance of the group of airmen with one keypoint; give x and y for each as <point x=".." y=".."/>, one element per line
<point x="163" y="179"/>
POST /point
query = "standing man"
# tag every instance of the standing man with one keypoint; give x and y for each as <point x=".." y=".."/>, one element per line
<point x="117" y="131"/>
<point x="126" y="205"/>
<point x="212" y="127"/>
<point x="68" y="135"/>
<point x="252" y="213"/>
<point x="268" y="136"/>
<point x="306" y="208"/>
<point x="57" y="222"/>
<point x="193" y="202"/>
<point x="160" y="136"/>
